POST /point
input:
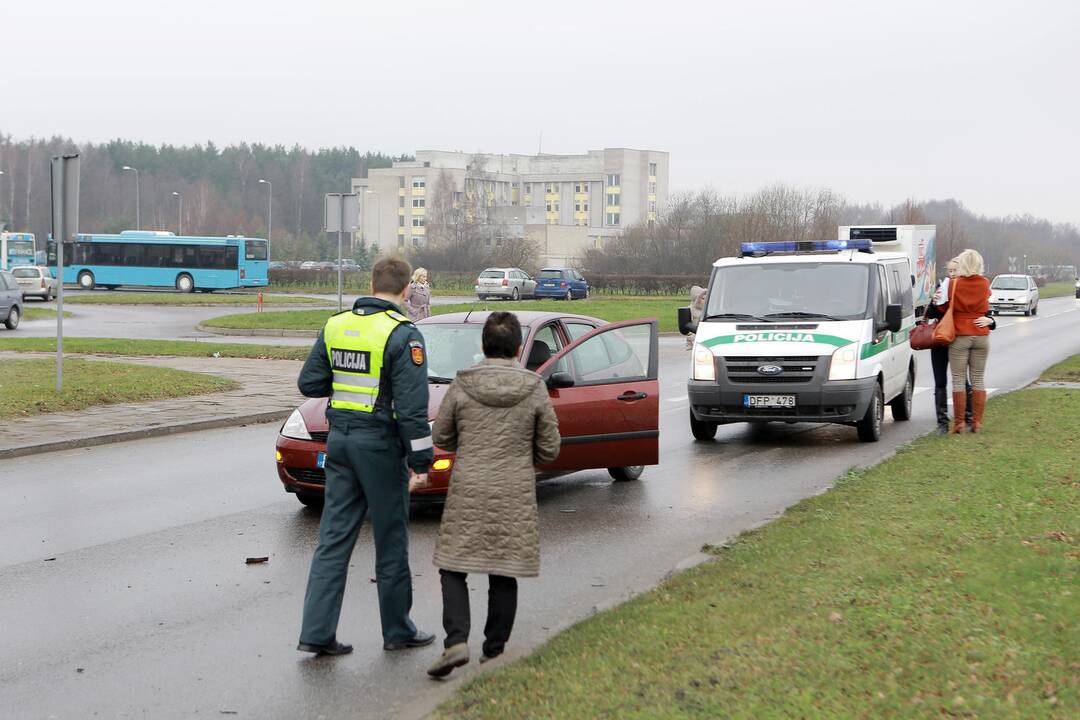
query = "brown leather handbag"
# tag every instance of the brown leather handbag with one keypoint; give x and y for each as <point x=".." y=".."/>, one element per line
<point x="922" y="335"/>
<point x="945" y="330"/>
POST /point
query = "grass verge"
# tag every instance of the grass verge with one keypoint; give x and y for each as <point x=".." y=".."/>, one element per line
<point x="27" y="387"/>
<point x="33" y="313"/>
<point x="1065" y="371"/>
<point x="941" y="583"/>
<point x="137" y="298"/>
<point x="1057" y="289"/>
<point x="604" y="308"/>
<point x="179" y="348"/>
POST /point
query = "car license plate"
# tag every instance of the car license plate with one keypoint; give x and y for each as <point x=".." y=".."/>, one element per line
<point x="320" y="460"/>
<point x="769" y="401"/>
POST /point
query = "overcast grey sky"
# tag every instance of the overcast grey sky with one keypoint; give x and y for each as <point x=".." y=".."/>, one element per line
<point x="879" y="101"/>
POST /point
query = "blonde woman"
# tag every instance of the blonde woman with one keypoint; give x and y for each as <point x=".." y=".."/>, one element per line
<point x="418" y="296"/>
<point x="969" y="296"/>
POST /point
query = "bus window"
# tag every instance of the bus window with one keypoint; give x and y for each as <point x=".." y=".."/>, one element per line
<point x="254" y="249"/>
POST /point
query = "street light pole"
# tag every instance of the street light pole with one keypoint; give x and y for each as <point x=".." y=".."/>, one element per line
<point x="269" y="208"/>
<point x="138" y="221"/>
<point x="378" y="213"/>
<point x="179" y="214"/>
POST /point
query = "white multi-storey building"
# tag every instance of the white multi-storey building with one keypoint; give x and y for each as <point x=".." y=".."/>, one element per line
<point x="564" y="203"/>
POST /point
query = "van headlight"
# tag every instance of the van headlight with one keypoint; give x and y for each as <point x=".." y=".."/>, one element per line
<point x="704" y="363"/>
<point x="295" y="427"/>
<point x="843" y="363"/>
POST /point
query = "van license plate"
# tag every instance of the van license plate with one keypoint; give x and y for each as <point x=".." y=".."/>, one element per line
<point x="769" y="401"/>
<point x="320" y="460"/>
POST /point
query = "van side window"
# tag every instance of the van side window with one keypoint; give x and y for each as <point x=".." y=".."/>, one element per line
<point x="882" y="295"/>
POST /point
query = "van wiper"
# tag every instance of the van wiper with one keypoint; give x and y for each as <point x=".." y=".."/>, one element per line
<point x="733" y="316"/>
<point x="438" y="380"/>
<point x="799" y="314"/>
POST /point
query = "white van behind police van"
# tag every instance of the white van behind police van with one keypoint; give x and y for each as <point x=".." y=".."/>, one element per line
<point x="803" y="332"/>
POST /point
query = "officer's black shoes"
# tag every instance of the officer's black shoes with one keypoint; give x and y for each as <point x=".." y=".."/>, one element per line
<point x="333" y="648"/>
<point x="453" y="657"/>
<point x="420" y="639"/>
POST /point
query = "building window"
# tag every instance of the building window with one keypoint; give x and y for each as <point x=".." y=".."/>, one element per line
<point x="652" y="206"/>
<point x="401" y="220"/>
<point x="613" y="180"/>
<point x="553" y="188"/>
<point x="401" y="201"/>
<point x="577" y="207"/>
<point x="652" y="188"/>
<point x="585" y="207"/>
<point x="418" y="222"/>
<point x="581" y="187"/>
<point x="528" y="187"/>
<point x="652" y="169"/>
<point x="401" y="182"/>
<point x="613" y="218"/>
<point x="613" y="198"/>
<point x="418" y="202"/>
<point x="418" y="181"/>
<point x="415" y="242"/>
<point x="549" y="207"/>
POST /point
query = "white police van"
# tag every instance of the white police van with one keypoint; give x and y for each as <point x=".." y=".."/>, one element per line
<point x="803" y="332"/>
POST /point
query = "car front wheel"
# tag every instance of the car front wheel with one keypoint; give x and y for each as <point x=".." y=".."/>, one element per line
<point x="625" y="474"/>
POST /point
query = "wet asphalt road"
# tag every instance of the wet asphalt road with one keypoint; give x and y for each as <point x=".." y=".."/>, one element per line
<point x="148" y="609"/>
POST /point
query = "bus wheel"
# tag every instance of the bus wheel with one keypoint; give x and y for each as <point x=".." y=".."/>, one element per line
<point x="86" y="280"/>
<point x="184" y="283"/>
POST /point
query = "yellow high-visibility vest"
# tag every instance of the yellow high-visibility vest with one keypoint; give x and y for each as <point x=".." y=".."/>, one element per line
<point x="355" y="344"/>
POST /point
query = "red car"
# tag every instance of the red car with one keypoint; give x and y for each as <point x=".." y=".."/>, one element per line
<point x="602" y="378"/>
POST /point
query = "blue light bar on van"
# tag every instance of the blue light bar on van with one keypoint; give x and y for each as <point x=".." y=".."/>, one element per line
<point x="803" y="246"/>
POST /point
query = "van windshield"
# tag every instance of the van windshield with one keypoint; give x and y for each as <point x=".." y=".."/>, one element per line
<point x="772" y="291"/>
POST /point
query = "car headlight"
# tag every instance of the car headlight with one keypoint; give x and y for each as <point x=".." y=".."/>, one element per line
<point x="704" y="363"/>
<point x="844" y="362"/>
<point x="295" y="427"/>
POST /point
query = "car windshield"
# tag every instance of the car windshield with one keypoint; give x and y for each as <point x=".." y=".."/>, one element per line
<point x="453" y="346"/>
<point x="26" y="272"/>
<point x="551" y="274"/>
<point x="1009" y="283"/>
<point x="824" y="290"/>
<point x="491" y="274"/>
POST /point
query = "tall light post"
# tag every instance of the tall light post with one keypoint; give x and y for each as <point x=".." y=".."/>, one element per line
<point x="138" y="222"/>
<point x="269" y="208"/>
<point x="179" y="214"/>
<point x="1" y="195"/>
<point x="378" y="213"/>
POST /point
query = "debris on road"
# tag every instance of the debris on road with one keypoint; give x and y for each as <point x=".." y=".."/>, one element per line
<point x="256" y="560"/>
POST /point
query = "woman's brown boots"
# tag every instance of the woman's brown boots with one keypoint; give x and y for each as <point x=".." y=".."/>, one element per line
<point x="978" y="405"/>
<point x="959" y="405"/>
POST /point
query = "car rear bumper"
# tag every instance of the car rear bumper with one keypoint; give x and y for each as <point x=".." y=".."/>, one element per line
<point x="835" y="401"/>
<point x="497" y="291"/>
<point x="552" y="292"/>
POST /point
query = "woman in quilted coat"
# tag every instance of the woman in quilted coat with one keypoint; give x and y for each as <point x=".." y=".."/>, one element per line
<point x="498" y="418"/>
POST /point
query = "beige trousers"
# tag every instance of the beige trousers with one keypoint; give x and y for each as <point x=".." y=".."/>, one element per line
<point x="969" y="351"/>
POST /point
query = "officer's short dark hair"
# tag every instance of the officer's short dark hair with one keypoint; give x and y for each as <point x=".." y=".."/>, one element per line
<point x="390" y="276"/>
<point x="502" y="335"/>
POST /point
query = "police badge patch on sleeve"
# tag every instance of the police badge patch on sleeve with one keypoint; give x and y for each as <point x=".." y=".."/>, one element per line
<point x="416" y="352"/>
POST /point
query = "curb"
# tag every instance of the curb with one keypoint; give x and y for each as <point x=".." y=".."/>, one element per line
<point x="258" y="332"/>
<point x="125" y="435"/>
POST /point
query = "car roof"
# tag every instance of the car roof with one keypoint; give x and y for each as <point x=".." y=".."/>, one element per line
<point x="525" y="317"/>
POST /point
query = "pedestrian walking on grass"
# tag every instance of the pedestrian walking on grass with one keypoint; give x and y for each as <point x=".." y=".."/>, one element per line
<point x="418" y="296"/>
<point x="371" y="363"/>
<point x="498" y="418"/>
<point x="969" y="295"/>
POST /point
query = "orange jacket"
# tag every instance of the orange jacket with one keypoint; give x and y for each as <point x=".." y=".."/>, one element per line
<point x="969" y="298"/>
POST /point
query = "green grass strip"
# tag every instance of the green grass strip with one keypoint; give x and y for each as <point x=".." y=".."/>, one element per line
<point x="1065" y="371"/>
<point x="137" y="298"/>
<point x="1057" y="289"/>
<point x="33" y="313"/>
<point x="28" y="387"/>
<point x="606" y="309"/>
<point x="179" y="348"/>
<point x="944" y="582"/>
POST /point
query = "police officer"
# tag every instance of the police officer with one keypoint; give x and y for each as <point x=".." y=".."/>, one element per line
<point x="371" y="362"/>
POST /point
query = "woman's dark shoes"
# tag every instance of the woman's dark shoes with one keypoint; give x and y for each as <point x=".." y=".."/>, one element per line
<point x="332" y="648"/>
<point x="420" y="639"/>
<point x="453" y="657"/>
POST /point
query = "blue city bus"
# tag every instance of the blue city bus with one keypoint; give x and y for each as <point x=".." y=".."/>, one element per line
<point x="16" y="249"/>
<point x="161" y="259"/>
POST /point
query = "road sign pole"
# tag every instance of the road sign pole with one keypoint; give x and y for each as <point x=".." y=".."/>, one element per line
<point x="340" y="234"/>
<point x="64" y="174"/>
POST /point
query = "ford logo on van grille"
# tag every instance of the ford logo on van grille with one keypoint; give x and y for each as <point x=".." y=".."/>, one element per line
<point x="770" y="370"/>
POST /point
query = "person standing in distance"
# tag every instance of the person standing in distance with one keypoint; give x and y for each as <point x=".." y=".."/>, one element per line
<point x="371" y="362"/>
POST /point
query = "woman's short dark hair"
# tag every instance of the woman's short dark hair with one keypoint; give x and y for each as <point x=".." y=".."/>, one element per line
<point x="502" y="335"/>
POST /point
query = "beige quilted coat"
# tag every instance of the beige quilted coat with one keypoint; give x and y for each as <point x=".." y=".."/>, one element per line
<point x="498" y="418"/>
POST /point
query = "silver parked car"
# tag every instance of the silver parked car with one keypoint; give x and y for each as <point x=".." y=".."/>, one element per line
<point x="10" y="301"/>
<point x="506" y="283"/>
<point x="35" y="281"/>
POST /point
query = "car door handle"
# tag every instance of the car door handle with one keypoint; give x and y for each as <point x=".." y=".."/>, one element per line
<point x="631" y="395"/>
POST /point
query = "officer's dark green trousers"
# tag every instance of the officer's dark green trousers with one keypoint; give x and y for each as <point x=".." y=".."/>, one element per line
<point x="362" y="472"/>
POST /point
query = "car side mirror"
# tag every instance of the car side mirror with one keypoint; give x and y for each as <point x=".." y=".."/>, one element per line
<point x="686" y="325"/>
<point x="893" y="318"/>
<point x="559" y="380"/>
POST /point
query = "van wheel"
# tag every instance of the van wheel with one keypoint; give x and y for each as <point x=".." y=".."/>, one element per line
<point x="625" y="474"/>
<point x="901" y="404"/>
<point x="702" y="429"/>
<point x="870" y="426"/>
<point x="86" y="280"/>
<point x="12" y="321"/>
<point x="184" y="283"/>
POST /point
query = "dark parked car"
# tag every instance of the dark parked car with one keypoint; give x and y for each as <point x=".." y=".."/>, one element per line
<point x="602" y="379"/>
<point x="11" y="299"/>
<point x="561" y="284"/>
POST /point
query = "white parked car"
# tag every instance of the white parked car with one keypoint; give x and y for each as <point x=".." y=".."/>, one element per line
<point x="506" y="283"/>
<point x="35" y="281"/>
<point x="1014" y="293"/>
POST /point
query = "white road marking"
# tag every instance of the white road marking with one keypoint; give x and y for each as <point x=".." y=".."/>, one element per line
<point x="678" y="399"/>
